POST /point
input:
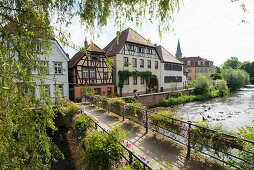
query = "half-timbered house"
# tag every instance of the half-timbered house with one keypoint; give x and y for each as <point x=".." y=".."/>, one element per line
<point x="90" y="69"/>
<point x="133" y="52"/>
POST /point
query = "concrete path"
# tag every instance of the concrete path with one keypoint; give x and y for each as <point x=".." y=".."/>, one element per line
<point x="161" y="152"/>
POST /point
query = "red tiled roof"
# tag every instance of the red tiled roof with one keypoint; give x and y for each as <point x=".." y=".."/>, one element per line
<point x="128" y="35"/>
<point x="166" y="56"/>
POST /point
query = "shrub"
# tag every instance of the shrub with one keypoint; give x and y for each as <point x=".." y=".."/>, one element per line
<point x="175" y="94"/>
<point x="201" y="85"/>
<point x="235" y="78"/>
<point x="222" y="87"/>
<point x="103" y="150"/>
<point x="130" y="100"/>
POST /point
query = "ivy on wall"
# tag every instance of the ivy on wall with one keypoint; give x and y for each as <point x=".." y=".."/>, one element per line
<point x="125" y="74"/>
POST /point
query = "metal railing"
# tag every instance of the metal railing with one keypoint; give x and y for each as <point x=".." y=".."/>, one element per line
<point x="185" y="135"/>
<point x="131" y="155"/>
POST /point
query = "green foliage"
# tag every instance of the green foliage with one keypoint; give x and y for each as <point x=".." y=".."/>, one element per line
<point x="102" y="150"/>
<point x="216" y="76"/>
<point x="130" y="100"/>
<point x="163" y="120"/>
<point x="246" y="133"/>
<point x="221" y="86"/>
<point x="175" y="94"/>
<point x="202" y="85"/>
<point x="248" y="67"/>
<point x="236" y="79"/>
<point x="232" y="63"/>
<point x="87" y="90"/>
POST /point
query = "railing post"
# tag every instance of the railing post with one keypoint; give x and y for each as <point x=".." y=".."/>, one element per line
<point x="189" y="138"/>
<point x="130" y="157"/>
<point x="146" y="121"/>
<point x="123" y="112"/>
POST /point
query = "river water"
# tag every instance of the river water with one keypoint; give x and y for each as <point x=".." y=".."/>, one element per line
<point x="232" y="111"/>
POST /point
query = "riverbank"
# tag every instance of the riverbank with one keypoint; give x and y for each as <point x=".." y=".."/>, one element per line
<point x="177" y="98"/>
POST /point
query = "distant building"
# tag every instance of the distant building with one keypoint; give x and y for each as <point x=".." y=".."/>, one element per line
<point x="178" y="50"/>
<point x="90" y="69"/>
<point x="197" y="66"/>
<point x="172" y="75"/>
<point x="133" y="52"/>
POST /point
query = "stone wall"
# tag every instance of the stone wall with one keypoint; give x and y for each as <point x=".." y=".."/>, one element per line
<point x="156" y="98"/>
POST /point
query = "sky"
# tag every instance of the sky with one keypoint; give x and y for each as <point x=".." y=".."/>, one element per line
<point x="211" y="29"/>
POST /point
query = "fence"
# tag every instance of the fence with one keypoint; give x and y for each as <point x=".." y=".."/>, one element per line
<point x="217" y="145"/>
<point x="131" y="156"/>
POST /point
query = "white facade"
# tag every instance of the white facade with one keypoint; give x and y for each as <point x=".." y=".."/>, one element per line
<point x="57" y="73"/>
<point x="146" y="56"/>
<point x="171" y="85"/>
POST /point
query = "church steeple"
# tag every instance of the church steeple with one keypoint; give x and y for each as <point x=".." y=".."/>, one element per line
<point x="178" y="51"/>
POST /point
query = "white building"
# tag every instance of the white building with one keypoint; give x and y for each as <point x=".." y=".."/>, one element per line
<point x="133" y="52"/>
<point x="57" y="70"/>
<point x="172" y="73"/>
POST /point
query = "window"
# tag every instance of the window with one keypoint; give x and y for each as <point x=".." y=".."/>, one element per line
<point x="150" y="51"/>
<point x="85" y="73"/>
<point x="199" y="62"/>
<point x="190" y="78"/>
<point x="109" y="91"/>
<point x="141" y="63"/>
<point x="60" y="86"/>
<point x="142" y="80"/>
<point x="131" y="48"/>
<point x="148" y="63"/>
<point x="92" y="73"/>
<point x="58" y="68"/>
<point x="44" y="67"/>
<point x="189" y="70"/>
<point x="97" y="91"/>
<point x="188" y="62"/>
<point x="47" y="89"/>
<point x="135" y="80"/>
<point x="156" y="65"/>
<point x="170" y="79"/>
<point x="126" y="82"/>
<point x="134" y="62"/>
<point x="125" y="62"/>
<point x="203" y="62"/>
<point x="141" y="49"/>
<point x="95" y="58"/>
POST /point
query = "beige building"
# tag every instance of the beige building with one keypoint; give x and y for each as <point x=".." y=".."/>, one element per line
<point x="133" y="52"/>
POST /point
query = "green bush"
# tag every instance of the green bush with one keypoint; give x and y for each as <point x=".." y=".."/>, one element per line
<point x="130" y="100"/>
<point x="222" y="87"/>
<point x="235" y="78"/>
<point x="202" y="85"/>
<point x="103" y="150"/>
<point x="175" y="94"/>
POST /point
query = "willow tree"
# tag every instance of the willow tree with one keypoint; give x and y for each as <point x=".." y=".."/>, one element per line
<point x="24" y="142"/>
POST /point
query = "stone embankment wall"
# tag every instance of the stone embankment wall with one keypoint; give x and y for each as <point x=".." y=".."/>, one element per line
<point x="156" y="98"/>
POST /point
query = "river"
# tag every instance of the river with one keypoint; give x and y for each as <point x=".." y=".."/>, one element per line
<point x="232" y="111"/>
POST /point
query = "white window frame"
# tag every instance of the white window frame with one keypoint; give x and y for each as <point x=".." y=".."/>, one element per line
<point x="92" y="73"/>
<point x="85" y="73"/>
<point x="58" y="67"/>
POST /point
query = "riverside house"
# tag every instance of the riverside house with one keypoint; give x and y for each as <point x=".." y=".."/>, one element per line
<point x="90" y="69"/>
<point x="56" y="64"/>
<point x="133" y="52"/>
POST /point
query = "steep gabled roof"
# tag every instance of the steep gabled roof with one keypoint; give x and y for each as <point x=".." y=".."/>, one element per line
<point x="166" y="56"/>
<point x="91" y="49"/>
<point x="128" y="35"/>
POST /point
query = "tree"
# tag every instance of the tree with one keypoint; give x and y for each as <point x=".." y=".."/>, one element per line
<point x="202" y="85"/>
<point x="235" y="78"/>
<point x="216" y="76"/>
<point x="248" y="67"/>
<point x="231" y="63"/>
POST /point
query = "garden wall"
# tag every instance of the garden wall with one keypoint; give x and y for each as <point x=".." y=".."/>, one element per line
<point x="156" y="98"/>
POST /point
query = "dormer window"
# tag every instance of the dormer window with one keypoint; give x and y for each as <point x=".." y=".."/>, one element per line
<point x="203" y="63"/>
<point x="199" y="62"/>
<point x="188" y="62"/>
<point x="131" y="47"/>
<point x="95" y="58"/>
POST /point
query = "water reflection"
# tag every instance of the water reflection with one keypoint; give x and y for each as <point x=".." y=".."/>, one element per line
<point x="232" y="111"/>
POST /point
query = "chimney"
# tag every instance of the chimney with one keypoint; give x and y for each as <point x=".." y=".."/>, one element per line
<point x="86" y="44"/>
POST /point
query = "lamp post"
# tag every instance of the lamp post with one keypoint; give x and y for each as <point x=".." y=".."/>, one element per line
<point x="54" y="77"/>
